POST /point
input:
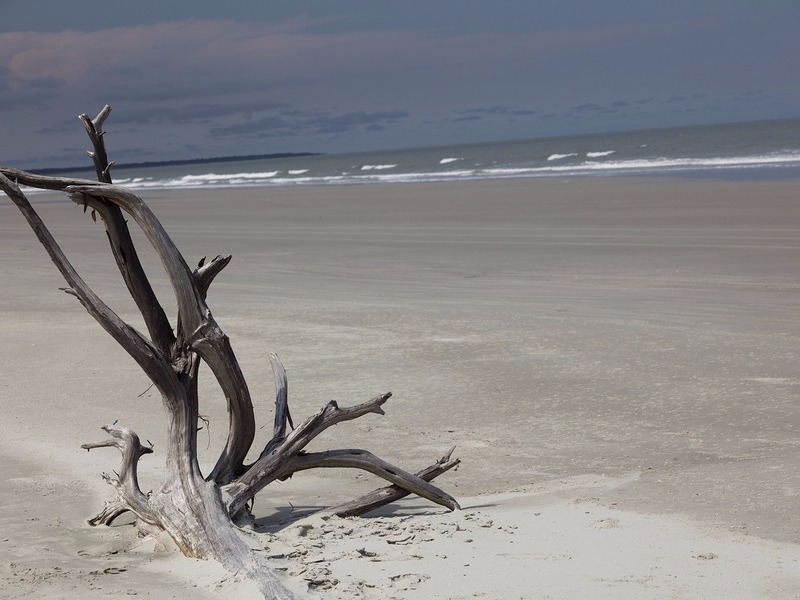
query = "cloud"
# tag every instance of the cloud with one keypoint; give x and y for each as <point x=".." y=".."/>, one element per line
<point x="214" y="58"/>
<point x="513" y="111"/>
<point x="17" y="92"/>
<point x="298" y="122"/>
<point x="588" y="107"/>
<point x="197" y="112"/>
<point x="204" y="83"/>
<point x="233" y="55"/>
<point x="622" y="106"/>
<point x="352" y="120"/>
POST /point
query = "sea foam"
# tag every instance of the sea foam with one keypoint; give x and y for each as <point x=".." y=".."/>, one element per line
<point x="383" y="173"/>
<point x="685" y="150"/>
<point x="377" y="167"/>
<point x="226" y="176"/>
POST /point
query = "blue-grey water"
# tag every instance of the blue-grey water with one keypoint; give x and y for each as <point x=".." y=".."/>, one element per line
<point x="754" y="150"/>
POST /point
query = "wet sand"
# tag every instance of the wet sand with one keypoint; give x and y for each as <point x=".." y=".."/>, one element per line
<point x="638" y="334"/>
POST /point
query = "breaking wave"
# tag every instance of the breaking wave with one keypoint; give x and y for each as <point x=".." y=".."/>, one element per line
<point x="296" y="177"/>
<point x="377" y="167"/>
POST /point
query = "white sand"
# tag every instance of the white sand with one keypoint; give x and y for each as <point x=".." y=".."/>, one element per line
<point x="553" y="541"/>
<point x="615" y="360"/>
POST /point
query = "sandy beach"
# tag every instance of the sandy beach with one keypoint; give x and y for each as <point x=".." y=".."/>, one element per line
<point x="617" y="362"/>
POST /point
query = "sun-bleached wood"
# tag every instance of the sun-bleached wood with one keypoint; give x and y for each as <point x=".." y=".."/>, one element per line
<point x="200" y="511"/>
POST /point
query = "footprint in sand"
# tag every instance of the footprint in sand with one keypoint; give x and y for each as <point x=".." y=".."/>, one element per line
<point x="607" y="523"/>
<point x="407" y="581"/>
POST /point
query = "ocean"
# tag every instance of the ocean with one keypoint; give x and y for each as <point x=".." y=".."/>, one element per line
<point x="753" y="150"/>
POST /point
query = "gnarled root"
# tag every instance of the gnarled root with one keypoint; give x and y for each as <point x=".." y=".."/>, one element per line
<point x="126" y="482"/>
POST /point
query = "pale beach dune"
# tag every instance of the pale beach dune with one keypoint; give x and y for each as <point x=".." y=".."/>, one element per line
<point x="617" y="362"/>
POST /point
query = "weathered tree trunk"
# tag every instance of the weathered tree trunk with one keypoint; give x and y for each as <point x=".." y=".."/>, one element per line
<point x="199" y="511"/>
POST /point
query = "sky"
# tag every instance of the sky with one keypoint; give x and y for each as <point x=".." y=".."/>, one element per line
<point x="190" y="79"/>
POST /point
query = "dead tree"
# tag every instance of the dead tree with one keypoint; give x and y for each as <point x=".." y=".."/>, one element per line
<point x="200" y="511"/>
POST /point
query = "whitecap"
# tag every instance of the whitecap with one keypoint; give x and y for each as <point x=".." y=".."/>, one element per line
<point x="445" y="161"/>
<point x="377" y="167"/>
<point x="227" y="176"/>
<point x="616" y="165"/>
<point x="511" y="171"/>
<point x="561" y="156"/>
<point x="599" y="154"/>
<point x="297" y="171"/>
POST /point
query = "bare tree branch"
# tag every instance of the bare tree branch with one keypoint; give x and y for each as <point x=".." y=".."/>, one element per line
<point x="94" y="129"/>
<point x="129" y="496"/>
<point x="122" y="246"/>
<point x="262" y="472"/>
<point x="363" y="459"/>
<point x="391" y="493"/>
<point x="133" y="274"/>
<point x="190" y="303"/>
<point x="205" y="273"/>
<point x="121" y="243"/>
<point x="203" y="335"/>
<point x="149" y="358"/>
<point x="43" y="182"/>
<point x="214" y="347"/>
<point x="282" y="415"/>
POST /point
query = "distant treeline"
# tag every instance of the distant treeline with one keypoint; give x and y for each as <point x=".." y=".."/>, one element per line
<point x="175" y="163"/>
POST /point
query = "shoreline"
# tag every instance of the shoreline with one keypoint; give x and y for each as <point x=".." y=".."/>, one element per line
<point x="745" y="176"/>
<point x="640" y="329"/>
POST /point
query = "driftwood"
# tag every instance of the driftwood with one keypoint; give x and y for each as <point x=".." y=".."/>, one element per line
<point x="200" y="511"/>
